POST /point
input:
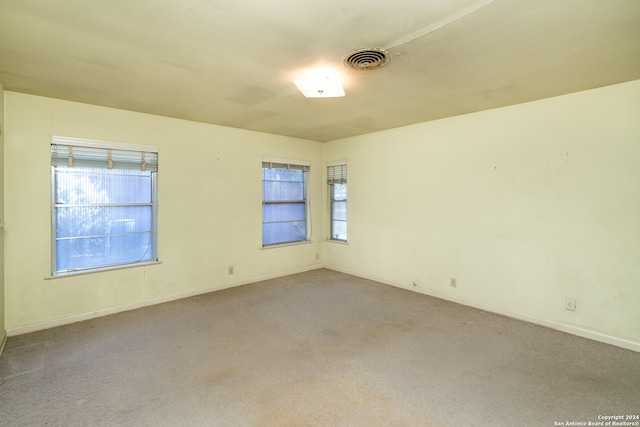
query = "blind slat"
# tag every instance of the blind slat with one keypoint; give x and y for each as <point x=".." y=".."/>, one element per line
<point x="285" y="166"/>
<point x="337" y="174"/>
<point x="103" y="158"/>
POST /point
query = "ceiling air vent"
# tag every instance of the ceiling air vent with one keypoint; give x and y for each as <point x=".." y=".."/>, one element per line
<point x="366" y="59"/>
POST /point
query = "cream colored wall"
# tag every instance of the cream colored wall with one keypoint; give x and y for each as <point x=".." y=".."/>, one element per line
<point x="524" y="205"/>
<point x="2" y="299"/>
<point x="209" y="211"/>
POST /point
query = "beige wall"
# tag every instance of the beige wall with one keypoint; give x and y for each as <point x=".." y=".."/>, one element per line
<point x="524" y="205"/>
<point x="209" y="187"/>
<point x="2" y="299"/>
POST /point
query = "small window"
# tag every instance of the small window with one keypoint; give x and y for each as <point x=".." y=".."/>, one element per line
<point x="285" y="214"/>
<point x="337" y="181"/>
<point x="104" y="207"/>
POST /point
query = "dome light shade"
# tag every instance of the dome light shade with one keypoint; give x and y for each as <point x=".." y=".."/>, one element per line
<point x="320" y="87"/>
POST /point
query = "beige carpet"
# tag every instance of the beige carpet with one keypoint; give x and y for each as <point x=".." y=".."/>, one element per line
<point x="314" y="349"/>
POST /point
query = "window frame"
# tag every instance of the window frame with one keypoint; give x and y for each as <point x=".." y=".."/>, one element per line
<point x="153" y="203"/>
<point x="286" y="164"/>
<point x="340" y="174"/>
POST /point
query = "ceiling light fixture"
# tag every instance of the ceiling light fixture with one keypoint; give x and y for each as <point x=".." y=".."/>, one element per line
<point x="320" y="84"/>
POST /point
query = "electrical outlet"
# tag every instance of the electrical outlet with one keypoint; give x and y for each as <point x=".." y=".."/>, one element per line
<point x="230" y="270"/>
<point x="570" y="304"/>
<point x="454" y="282"/>
<point x="317" y="256"/>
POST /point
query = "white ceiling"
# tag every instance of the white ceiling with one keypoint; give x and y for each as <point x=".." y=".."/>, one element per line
<point x="232" y="62"/>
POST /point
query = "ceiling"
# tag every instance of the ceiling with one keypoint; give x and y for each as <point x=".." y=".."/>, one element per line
<point x="233" y="62"/>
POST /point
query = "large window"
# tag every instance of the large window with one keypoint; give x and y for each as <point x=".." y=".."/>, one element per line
<point x="284" y="202"/>
<point x="337" y="181"/>
<point x="104" y="207"/>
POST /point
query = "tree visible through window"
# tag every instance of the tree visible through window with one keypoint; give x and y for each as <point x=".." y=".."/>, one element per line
<point x="104" y="206"/>
<point x="284" y="203"/>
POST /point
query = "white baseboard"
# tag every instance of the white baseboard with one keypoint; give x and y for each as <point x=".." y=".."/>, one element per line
<point x="552" y="324"/>
<point x="33" y="327"/>
<point x="3" y="340"/>
<point x="571" y="329"/>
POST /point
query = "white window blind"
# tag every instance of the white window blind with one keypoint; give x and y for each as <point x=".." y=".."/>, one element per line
<point x="103" y="158"/>
<point x="337" y="174"/>
<point x="285" y="213"/>
<point x="104" y="204"/>
<point x="337" y="182"/>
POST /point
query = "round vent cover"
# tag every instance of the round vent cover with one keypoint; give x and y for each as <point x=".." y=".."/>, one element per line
<point x="366" y="59"/>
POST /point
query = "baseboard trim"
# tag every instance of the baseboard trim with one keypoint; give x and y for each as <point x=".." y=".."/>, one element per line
<point x="33" y="327"/>
<point x="552" y="324"/>
<point x="3" y="341"/>
<point x="560" y="326"/>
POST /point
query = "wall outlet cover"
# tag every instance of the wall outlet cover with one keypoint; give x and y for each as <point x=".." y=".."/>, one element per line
<point x="570" y="304"/>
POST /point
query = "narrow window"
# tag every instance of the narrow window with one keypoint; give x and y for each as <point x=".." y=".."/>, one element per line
<point x="337" y="181"/>
<point x="104" y="207"/>
<point x="285" y="214"/>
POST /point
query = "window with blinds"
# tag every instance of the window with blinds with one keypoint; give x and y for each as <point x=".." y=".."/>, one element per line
<point x="104" y="204"/>
<point x="285" y="213"/>
<point x="337" y="181"/>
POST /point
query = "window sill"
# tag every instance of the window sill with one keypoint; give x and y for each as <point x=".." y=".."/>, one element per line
<point x="280" y="245"/>
<point x="340" y="242"/>
<point x="101" y="270"/>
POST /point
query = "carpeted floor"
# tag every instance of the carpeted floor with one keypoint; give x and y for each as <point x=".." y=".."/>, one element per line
<point x="314" y="349"/>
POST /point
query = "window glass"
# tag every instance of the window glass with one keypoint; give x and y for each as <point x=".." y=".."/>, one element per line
<point x="337" y="181"/>
<point x="284" y="204"/>
<point x="101" y="217"/>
